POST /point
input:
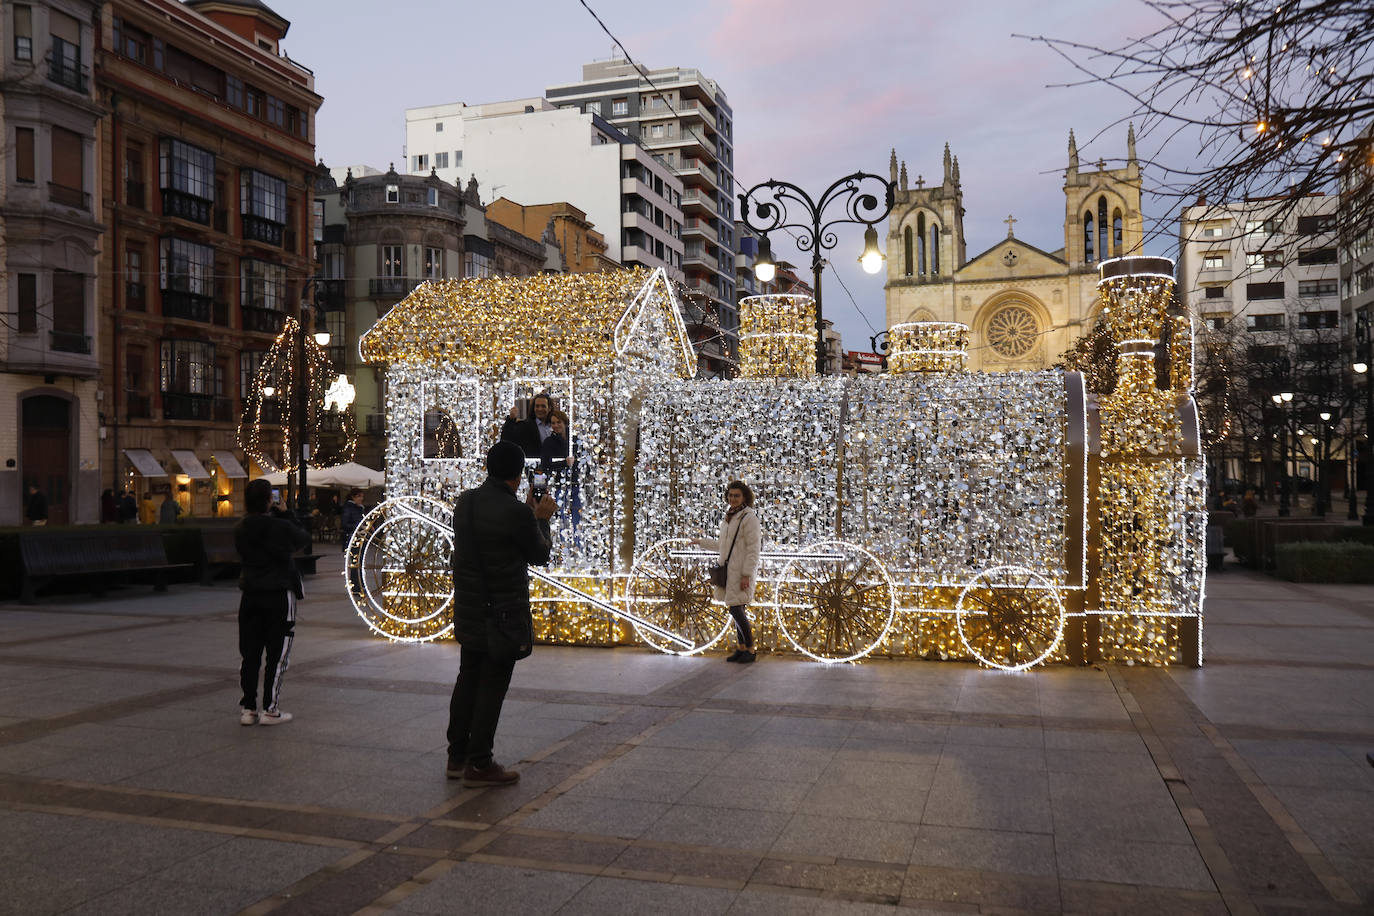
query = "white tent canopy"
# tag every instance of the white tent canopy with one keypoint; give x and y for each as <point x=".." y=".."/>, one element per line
<point x="349" y="474"/>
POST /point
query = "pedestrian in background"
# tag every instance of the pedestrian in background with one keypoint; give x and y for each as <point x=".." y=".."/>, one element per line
<point x="738" y="549"/>
<point x="266" y="541"/>
<point x="128" y="508"/>
<point x="147" y="510"/>
<point x="349" y="517"/>
<point x="495" y="539"/>
<point x="109" y="509"/>
<point x="36" y="507"/>
<point x="169" y="510"/>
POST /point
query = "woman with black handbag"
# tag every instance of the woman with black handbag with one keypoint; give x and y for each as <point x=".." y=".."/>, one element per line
<point x="736" y="572"/>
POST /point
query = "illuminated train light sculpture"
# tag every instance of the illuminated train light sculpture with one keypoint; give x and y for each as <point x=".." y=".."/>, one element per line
<point x="1009" y="518"/>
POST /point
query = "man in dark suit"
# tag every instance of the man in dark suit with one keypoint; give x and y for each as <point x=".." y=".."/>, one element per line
<point x="531" y="432"/>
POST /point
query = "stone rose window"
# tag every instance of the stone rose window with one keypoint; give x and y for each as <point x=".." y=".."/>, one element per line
<point x="1013" y="331"/>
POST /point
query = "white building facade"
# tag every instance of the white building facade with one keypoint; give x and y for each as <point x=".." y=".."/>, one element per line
<point x="530" y="151"/>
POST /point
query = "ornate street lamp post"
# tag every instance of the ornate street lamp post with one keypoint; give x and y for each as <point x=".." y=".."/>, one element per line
<point x="764" y="208"/>
<point x="1282" y="401"/>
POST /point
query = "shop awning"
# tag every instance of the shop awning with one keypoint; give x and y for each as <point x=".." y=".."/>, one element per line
<point x="190" y="464"/>
<point x="144" y="462"/>
<point x="228" y="464"/>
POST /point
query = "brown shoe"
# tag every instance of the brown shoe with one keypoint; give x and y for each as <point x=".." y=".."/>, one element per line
<point x="491" y="775"/>
<point x="455" y="769"/>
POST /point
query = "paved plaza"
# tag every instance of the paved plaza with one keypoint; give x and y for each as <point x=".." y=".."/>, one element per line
<point x="654" y="784"/>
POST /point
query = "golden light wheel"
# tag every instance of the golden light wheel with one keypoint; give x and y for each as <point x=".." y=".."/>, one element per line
<point x="1010" y="617"/>
<point x="400" y="569"/>
<point x="674" y="592"/>
<point x="834" y="601"/>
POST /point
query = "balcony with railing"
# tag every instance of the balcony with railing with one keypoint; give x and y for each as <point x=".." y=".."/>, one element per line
<point x="693" y="167"/>
<point x="391" y="287"/>
<point x="67" y="75"/>
<point x="263" y="320"/>
<point x="68" y="197"/>
<point x="257" y="229"/>
<point x="185" y="206"/>
<point x="703" y="227"/>
<point x="185" y="305"/>
<point x="138" y="406"/>
<point x="376" y="424"/>
<point x="70" y="342"/>
<point x="182" y="406"/>
<point x="135" y="296"/>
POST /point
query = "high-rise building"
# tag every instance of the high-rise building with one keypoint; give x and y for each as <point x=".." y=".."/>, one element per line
<point x="50" y="226"/>
<point x="529" y="150"/>
<point x="1024" y="304"/>
<point x="207" y="154"/>
<point x="685" y="120"/>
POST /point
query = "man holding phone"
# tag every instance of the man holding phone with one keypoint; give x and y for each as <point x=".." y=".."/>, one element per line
<point x="529" y="433"/>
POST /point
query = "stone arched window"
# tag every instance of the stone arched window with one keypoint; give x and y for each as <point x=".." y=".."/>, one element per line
<point x="921" y="266"/>
<point x="908" y="261"/>
<point x="1116" y="233"/>
<point x="934" y="250"/>
<point x="1102" y="228"/>
<point x="1088" y="237"/>
<point x="1013" y="331"/>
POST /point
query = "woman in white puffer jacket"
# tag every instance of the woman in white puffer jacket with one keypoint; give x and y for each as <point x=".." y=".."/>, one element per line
<point x="738" y="550"/>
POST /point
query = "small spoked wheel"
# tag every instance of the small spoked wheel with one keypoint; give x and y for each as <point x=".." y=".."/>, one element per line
<point x="835" y="602"/>
<point x="1010" y="617"/>
<point x="400" y="569"/>
<point x="673" y="591"/>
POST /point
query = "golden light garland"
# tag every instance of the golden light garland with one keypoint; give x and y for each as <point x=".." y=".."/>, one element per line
<point x="927" y="346"/>
<point x="777" y="336"/>
<point x="279" y="371"/>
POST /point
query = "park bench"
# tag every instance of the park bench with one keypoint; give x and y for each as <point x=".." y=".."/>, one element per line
<point x="98" y="554"/>
<point x="218" y="554"/>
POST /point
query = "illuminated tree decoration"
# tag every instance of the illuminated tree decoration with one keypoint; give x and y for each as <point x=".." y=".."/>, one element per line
<point x="270" y="423"/>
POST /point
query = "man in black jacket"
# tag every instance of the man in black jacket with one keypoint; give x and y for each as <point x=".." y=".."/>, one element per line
<point x="266" y="540"/>
<point x="530" y="432"/>
<point x="510" y="535"/>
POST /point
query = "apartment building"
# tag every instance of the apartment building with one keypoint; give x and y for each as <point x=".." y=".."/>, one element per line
<point x="208" y="149"/>
<point x="685" y="120"/>
<point x="532" y="151"/>
<point x="1261" y="265"/>
<point x="383" y="234"/>
<point x="50" y="226"/>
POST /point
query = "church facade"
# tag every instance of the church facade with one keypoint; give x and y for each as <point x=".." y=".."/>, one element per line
<point x="1024" y="305"/>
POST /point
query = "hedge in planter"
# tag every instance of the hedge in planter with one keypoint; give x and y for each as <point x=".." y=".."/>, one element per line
<point x="1333" y="561"/>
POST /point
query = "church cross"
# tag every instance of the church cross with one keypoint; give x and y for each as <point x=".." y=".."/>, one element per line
<point x="1101" y="165"/>
<point x="1010" y="220"/>
<point x="920" y="181"/>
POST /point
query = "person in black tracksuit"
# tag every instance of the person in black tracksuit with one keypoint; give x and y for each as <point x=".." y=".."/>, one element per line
<point x="266" y="539"/>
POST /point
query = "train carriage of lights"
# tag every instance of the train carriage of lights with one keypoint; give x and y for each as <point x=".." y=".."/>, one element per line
<point x="1005" y="518"/>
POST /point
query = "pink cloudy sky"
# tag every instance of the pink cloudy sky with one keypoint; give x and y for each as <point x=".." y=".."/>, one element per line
<point x="819" y="88"/>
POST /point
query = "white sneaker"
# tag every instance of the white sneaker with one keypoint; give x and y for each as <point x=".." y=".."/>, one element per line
<point x="247" y="716"/>
<point x="274" y="718"/>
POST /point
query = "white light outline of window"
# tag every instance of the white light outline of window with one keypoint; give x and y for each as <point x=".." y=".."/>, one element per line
<point x="476" y="390"/>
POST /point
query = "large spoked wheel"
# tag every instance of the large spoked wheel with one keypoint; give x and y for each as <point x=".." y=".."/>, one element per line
<point x="1010" y="617"/>
<point x="400" y="569"/>
<point x="835" y="602"/>
<point x="674" y="593"/>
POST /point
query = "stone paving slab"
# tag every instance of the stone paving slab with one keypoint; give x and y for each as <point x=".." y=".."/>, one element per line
<point x="663" y="784"/>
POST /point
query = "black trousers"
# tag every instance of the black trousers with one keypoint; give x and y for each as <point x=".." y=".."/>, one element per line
<point x="746" y="633"/>
<point x="267" y="627"/>
<point x="475" y="707"/>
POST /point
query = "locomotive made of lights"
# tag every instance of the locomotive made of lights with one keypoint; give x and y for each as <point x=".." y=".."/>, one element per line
<point x="928" y="512"/>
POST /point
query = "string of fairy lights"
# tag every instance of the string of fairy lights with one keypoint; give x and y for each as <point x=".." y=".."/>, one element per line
<point x="929" y="512"/>
<point x="270" y="419"/>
